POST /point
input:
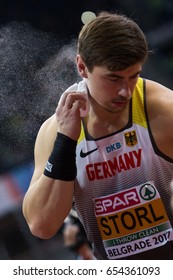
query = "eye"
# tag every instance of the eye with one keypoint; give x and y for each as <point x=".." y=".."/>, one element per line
<point x="113" y="79"/>
<point x="135" y="77"/>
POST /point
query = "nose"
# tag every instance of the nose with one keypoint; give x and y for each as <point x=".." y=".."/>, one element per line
<point x="125" y="91"/>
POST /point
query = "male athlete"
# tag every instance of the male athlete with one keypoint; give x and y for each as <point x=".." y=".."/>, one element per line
<point x="108" y="148"/>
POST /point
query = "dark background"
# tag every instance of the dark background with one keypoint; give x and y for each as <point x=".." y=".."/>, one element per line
<point x="37" y="52"/>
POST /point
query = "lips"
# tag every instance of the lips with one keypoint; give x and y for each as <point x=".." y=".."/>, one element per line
<point x="119" y="103"/>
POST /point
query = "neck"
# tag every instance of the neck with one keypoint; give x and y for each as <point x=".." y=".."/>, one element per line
<point x="101" y="122"/>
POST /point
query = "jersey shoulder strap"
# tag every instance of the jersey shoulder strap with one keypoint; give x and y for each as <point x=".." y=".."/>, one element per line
<point x="138" y="104"/>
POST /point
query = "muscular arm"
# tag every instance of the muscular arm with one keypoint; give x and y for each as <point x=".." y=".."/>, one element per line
<point x="48" y="201"/>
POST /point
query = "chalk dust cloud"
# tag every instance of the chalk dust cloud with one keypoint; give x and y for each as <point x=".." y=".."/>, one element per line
<point x="35" y="68"/>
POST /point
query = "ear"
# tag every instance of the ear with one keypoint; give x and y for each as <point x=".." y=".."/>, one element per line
<point x="82" y="69"/>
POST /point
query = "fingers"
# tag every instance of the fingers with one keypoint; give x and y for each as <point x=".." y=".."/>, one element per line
<point x="76" y="100"/>
<point x="71" y="89"/>
<point x="63" y="97"/>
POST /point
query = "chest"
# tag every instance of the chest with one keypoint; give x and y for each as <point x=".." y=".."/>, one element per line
<point x="114" y="155"/>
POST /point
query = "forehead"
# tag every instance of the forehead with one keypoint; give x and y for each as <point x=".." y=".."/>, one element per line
<point x="128" y="72"/>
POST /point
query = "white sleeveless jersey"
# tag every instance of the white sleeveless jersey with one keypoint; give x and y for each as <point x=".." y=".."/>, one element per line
<point x="122" y="190"/>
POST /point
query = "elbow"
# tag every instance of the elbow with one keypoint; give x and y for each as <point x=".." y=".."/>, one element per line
<point x="41" y="227"/>
<point x="42" y="231"/>
<point x="39" y="232"/>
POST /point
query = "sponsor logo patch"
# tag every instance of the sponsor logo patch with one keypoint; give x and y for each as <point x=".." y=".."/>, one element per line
<point x="132" y="221"/>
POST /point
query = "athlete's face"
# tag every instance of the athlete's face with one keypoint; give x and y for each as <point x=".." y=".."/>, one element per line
<point x="111" y="90"/>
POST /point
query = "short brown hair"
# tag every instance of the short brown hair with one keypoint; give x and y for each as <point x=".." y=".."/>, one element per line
<point x="112" y="40"/>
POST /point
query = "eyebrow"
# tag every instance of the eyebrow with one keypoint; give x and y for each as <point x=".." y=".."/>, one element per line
<point x="113" y="75"/>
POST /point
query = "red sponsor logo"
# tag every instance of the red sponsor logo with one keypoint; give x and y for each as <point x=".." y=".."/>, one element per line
<point x="116" y="202"/>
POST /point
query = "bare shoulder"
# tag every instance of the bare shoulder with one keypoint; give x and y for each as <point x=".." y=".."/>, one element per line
<point x="158" y="91"/>
<point x="43" y="145"/>
<point x="159" y="98"/>
<point x="159" y="101"/>
<point x="47" y="134"/>
<point x="49" y="127"/>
